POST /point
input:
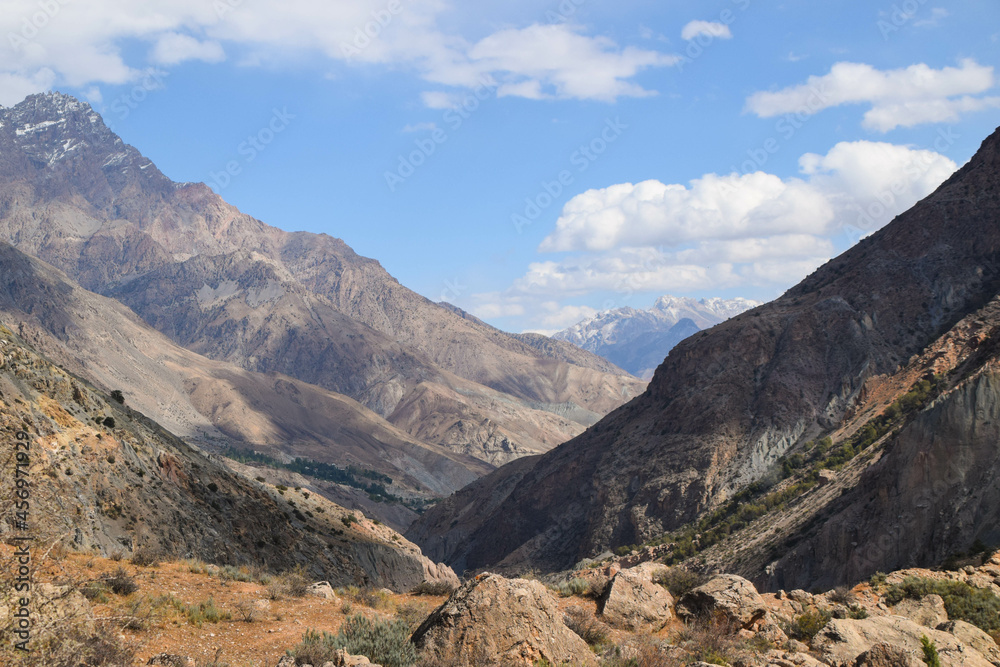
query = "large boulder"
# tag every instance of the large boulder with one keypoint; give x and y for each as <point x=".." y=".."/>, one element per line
<point x="633" y="602"/>
<point x="928" y="610"/>
<point x="887" y="655"/>
<point x="842" y="640"/>
<point x="969" y="634"/>
<point x="727" y="596"/>
<point x="492" y="620"/>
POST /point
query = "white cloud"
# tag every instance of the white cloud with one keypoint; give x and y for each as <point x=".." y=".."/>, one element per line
<point x="719" y="232"/>
<point x="172" y="48"/>
<point x="707" y="28"/>
<point x="714" y="208"/>
<point x="81" y="44"/>
<point x="489" y="310"/>
<point x="558" y="61"/>
<point x="898" y="98"/>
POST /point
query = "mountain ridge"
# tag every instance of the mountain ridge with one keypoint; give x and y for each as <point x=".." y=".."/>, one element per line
<point x="728" y="403"/>
<point x="638" y="340"/>
<point x="237" y="290"/>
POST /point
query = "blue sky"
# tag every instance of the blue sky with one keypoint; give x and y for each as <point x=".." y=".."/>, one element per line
<point x="533" y="162"/>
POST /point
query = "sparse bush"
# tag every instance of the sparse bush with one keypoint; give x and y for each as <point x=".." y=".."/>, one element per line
<point x="808" y="625"/>
<point x="576" y="586"/>
<point x="878" y="579"/>
<point x="432" y="588"/>
<point x="232" y="573"/>
<point x="590" y="630"/>
<point x="247" y="610"/>
<point x="143" y="557"/>
<point x="348" y="519"/>
<point x="206" y="612"/>
<point x="383" y="642"/>
<point x="294" y="583"/>
<point x="412" y="614"/>
<point x="679" y="580"/>
<point x="274" y="590"/>
<point x="712" y="640"/>
<point x="120" y="582"/>
<point x="856" y="612"/>
<point x="962" y="602"/>
<point x="95" y="591"/>
<point x="841" y="595"/>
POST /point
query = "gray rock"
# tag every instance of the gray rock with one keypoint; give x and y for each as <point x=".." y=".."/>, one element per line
<point x="732" y="596"/>
<point x="928" y="610"/>
<point x="842" y="640"/>
<point x="633" y="602"/>
<point x="490" y="618"/>
<point x="974" y="637"/>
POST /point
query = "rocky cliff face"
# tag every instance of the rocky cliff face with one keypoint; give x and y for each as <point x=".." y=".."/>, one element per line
<point x="729" y="402"/>
<point x="235" y="289"/>
<point x="638" y="340"/>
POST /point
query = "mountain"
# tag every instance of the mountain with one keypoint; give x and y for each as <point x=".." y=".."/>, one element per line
<point x="220" y="404"/>
<point x="233" y="289"/>
<point x="104" y="478"/>
<point x="802" y="427"/>
<point x="639" y="340"/>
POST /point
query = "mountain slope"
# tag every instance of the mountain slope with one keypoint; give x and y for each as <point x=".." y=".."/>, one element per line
<point x="234" y="289"/>
<point x="209" y="402"/>
<point x="104" y="477"/>
<point x="639" y="340"/>
<point x="729" y="402"/>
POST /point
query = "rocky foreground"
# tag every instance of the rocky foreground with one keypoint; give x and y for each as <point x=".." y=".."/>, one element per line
<point x="195" y="615"/>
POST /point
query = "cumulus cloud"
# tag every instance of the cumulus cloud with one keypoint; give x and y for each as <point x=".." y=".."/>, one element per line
<point x="720" y="232"/>
<point x="707" y="28"/>
<point x="81" y="44"/>
<point x="714" y="208"/>
<point x="899" y="98"/>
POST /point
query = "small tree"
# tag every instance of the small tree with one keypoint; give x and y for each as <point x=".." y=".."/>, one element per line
<point x="118" y="396"/>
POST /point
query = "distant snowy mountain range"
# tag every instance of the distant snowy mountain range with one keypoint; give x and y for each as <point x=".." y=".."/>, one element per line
<point x="639" y="340"/>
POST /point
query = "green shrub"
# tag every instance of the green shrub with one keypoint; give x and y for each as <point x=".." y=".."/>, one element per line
<point x="120" y="582"/>
<point x="432" y="588"/>
<point x="206" y="612"/>
<point x="930" y="652"/>
<point x="878" y="579"/>
<point x="384" y="642"/>
<point x="809" y="624"/>
<point x="679" y="580"/>
<point x="962" y="602"/>
<point x="576" y="586"/>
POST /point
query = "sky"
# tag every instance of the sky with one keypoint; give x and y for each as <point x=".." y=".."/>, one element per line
<point x="530" y="161"/>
